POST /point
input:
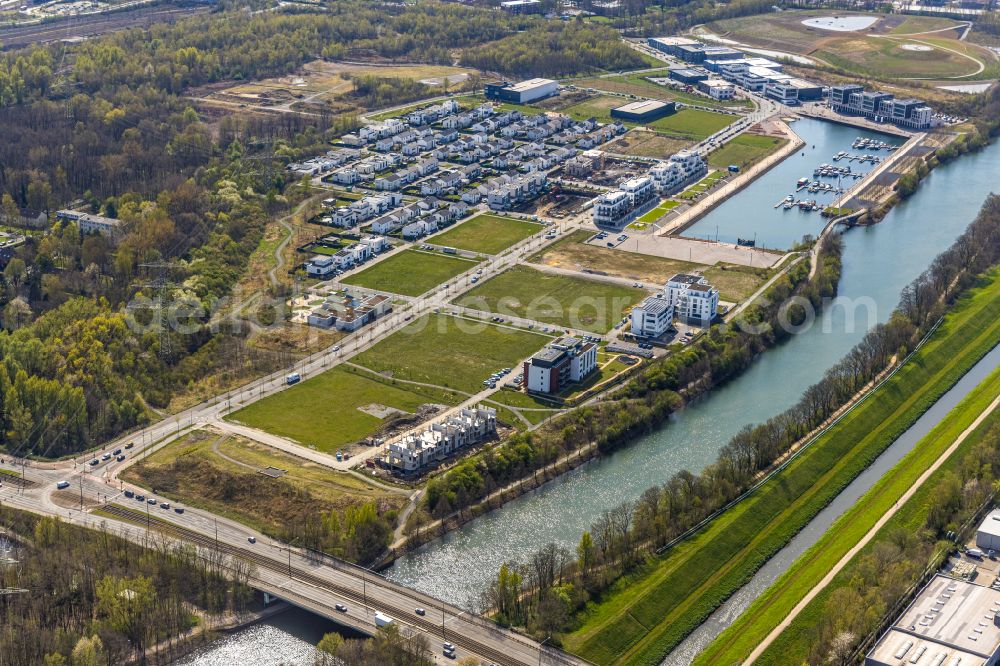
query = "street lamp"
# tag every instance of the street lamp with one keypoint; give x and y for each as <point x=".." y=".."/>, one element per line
<point x="540" y="646"/>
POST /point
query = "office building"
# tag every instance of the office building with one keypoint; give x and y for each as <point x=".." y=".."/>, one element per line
<point x="522" y="6"/>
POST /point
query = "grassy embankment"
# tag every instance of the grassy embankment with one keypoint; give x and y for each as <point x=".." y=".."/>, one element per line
<point x="219" y="473"/>
<point x="648" y="614"/>
<point x="792" y="645"/>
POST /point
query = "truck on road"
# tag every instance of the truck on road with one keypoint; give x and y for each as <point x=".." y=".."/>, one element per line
<point x="382" y="620"/>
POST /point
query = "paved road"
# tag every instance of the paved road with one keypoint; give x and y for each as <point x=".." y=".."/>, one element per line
<point x="870" y="534"/>
<point x="289" y="574"/>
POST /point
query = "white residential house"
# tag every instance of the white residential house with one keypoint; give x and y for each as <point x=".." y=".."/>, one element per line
<point x="415" y="452"/>
<point x="694" y="300"/>
<point x="612" y="209"/>
<point x="321" y="266"/>
<point x="652" y="317"/>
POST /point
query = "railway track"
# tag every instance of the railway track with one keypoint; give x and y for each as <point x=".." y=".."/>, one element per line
<point x="271" y="564"/>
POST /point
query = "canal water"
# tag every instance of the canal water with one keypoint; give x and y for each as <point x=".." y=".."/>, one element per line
<point x="752" y="214"/>
<point x="727" y="613"/>
<point x="877" y="263"/>
<point x="288" y="639"/>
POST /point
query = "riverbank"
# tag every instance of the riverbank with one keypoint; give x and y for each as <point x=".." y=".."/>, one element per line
<point x="459" y="566"/>
<point x="643" y="621"/>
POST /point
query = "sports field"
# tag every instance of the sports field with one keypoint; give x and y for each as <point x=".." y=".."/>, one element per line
<point x="643" y="620"/>
<point x="561" y="300"/>
<point x="450" y="351"/>
<point x="326" y="411"/>
<point x="489" y="234"/>
<point x="411" y="272"/>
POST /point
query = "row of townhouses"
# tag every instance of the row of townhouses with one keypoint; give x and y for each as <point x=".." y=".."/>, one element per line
<point x="349" y="313"/>
<point x="323" y="265"/>
<point x="362" y="210"/>
<point x="429" y="210"/>
<point x="416" y="452"/>
<point x="331" y="160"/>
<point x="618" y="207"/>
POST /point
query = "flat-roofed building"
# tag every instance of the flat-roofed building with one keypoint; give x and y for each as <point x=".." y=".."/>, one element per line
<point x="950" y="623"/>
<point x="988" y="534"/>
<point x="694" y="300"/>
<point x="562" y="362"/>
<point x="522" y="6"/>
<point x="652" y="317"/>
<point x="643" y="110"/>
<point x="93" y="224"/>
<point x="688" y="75"/>
<point x="717" y="89"/>
<point x="522" y="92"/>
<point x="612" y="209"/>
<point x="671" y="45"/>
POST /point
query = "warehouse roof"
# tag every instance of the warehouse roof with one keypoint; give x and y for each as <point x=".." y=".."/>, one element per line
<point x="642" y="106"/>
<point x="950" y="616"/>
<point x="530" y="84"/>
<point x="991" y="524"/>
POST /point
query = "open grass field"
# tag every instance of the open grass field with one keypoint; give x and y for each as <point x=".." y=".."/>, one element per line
<point x="745" y="150"/>
<point x="573" y="253"/>
<point x="325" y="411"/>
<point x="560" y="300"/>
<point x="735" y="283"/>
<point x="322" y="81"/>
<point x="451" y="352"/>
<point x="647" y="616"/>
<point x="694" y="124"/>
<point x="643" y="143"/>
<point x="876" y="51"/>
<point x="640" y="86"/>
<point x="489" y="234"/>
<point x="775" y="604"/>
<point x="205" y="469"/>
<point x="411" y="272"/>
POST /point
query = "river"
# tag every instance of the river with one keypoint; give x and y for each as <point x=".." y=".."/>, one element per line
<point x="727" y="613"/>
<point x="877" y="262"/>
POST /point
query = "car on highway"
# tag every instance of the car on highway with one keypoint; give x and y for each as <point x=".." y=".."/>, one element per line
<point x="448" y="646"/>
<point x="129" y="494"/>
<point x="120" y="458"/>
<point x="449" y="653"/>
<point x="420" y="611"/>
<point x="62" y="485"/>
<point x="106" y="457"/>
<point x="252" y="539"/>
<point x="178" y="509"/>
<point x="151" y="501"/>
<point x="341" y="607"/>
<point x="140" y="498"/>
<point x="165" y="505"/>
<point x="336" y="348"/>
<point x="95" y="462"/>
<point x="130" y="445"/>
<point x="118" y="452"/>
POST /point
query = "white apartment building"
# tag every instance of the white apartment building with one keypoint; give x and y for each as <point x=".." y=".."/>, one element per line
<point x="652" y="317"/>
<point x="418" y="451"/>
<point x="639" y="190"/>
<point x="693" y="299"/>
<point x="670" y="176"/>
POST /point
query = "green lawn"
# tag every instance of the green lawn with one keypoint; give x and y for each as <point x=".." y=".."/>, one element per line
<point x="665" y="207"/>
<point x="450" y="351"/>
<point x="324" y="411"/>
<point x="744" y="151"/>
<point x="644" y="619"/>
<point x="695" y="124"/>
<point x="561" y="300"/>
<point x="773" y="606"/>
<point x="411" y="272"/>
<point x="489" y="234"/>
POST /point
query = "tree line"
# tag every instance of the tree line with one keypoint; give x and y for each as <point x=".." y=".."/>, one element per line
<point x="647" y="400"/>
<point x="93" y="598"/>
<point x="545" y="593"/>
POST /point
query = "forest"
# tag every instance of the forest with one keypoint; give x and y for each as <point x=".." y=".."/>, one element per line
<point x="93" y="598"/>
<point x="544" y="593"/>
<point x="105" y="126"/>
